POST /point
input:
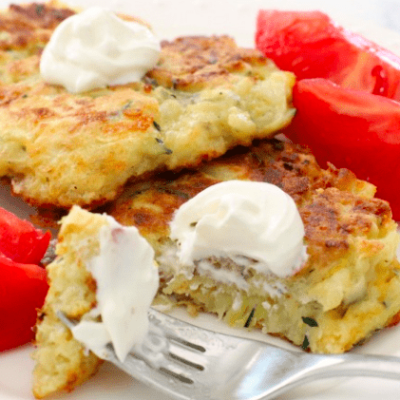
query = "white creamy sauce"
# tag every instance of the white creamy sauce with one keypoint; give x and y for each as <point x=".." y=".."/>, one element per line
<point x="204" y="267"/>
<point x="127" y="281"/>
<point x="96" y="48"/>
<point x="237" y="219"/>
<point x="275" y="289"/>
<point x="237" y="302"/>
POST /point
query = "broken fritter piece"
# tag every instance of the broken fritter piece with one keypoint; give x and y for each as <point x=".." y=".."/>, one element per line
<point x="61" y="361"/>
<point x="103" y="277"/>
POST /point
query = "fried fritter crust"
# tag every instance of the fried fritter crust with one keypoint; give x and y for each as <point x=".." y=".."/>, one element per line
<point x="59" y="149"/>
<point x="350" y="283"/>
<point x="195" y="63"/>
<point x="150" y="204"/>
<point x="27" y="28"/>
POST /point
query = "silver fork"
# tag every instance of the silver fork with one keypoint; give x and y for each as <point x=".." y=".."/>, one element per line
<point x="190" y="363"/>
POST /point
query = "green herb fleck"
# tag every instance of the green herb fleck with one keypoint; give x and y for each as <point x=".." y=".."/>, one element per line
<point x="306" y="343"/>
<point x="166" y="149"/>
<point x="277" y="144"/>
<point x="248" y="322"/>
<point x="58" y="14"/>
<point x="257" y="158"/>
<point x="127" y="105"/>
<point x="157" y="126"/>
<point x="174" y="192"/>
<point x="39" y="9"/>
<point x="150" y="81"/>
<point x="310" y="322"/>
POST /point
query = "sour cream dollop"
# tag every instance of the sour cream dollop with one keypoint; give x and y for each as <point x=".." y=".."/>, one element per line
<point x="96" y="48"/>
<point x="238" y="218"/>
<point x="127" y="281"/>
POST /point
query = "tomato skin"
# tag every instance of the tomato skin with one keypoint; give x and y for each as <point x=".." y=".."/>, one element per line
<point x="23" y="288"/>
<point x="311" y="45"/>
<point x="20" y="240"/>
<point x="358" y="131"/>
<point x="23" y="285"/>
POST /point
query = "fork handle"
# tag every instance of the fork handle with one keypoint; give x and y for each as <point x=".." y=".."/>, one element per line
<point x="312" y="367"/>
<point x="354" y="365"/>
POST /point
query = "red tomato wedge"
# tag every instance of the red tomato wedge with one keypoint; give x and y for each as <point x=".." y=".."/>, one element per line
<point x="351" y="129"/>
<point x="23" y="285"/>
<point x="311" y="45"/>
<point x="23" y="288"/>
<point x="20" y="240"/>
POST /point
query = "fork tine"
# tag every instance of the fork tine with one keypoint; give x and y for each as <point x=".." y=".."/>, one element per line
<point x="187" y="357"/>
<point x="177" y="356"/>
<point x="191" y="363"/>
<point x="177" y="372"/>
<point x="194" y="339"/>
<point x="182" y="356"/>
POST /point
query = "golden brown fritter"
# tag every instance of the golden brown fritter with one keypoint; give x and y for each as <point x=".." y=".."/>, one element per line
<point x="62" y="362"/>
<point x="195" y="63"/>
<point x="350" y="283"/>
<point x="348" y="288"/>
<point x="150" y="204"/>
<point x="26" y="29"/>
<point x="59" y="149"/>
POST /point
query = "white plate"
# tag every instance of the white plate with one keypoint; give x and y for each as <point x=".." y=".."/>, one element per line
<point x="172" y="18"/>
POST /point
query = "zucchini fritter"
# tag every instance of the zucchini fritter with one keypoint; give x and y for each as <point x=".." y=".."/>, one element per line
<point x="348" y="289"/>
<point x="349" y="285"/>
<point x="205" y="96"/>
<point x="62" y="362"/>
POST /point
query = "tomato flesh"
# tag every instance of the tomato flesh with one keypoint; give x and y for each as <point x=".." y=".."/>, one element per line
<point x="20" y="240"/>
<point x="23" y="288"/>
<point x="311" y="45"/>
<point x="355" y="125"/>
<point x="23" y="284"/>
<point x="357" y="131"/>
